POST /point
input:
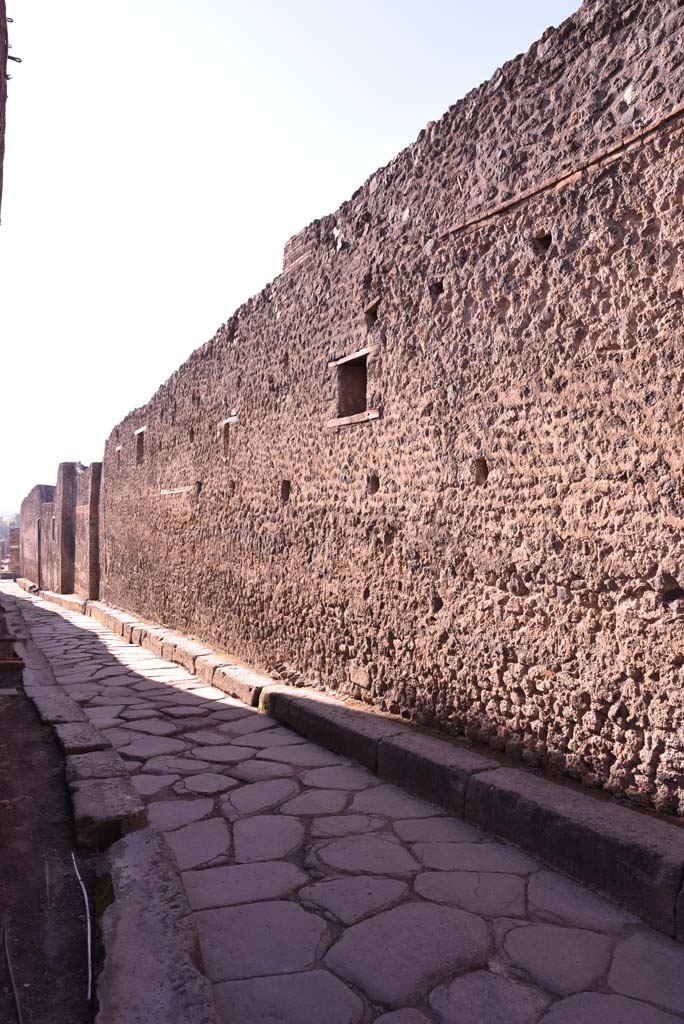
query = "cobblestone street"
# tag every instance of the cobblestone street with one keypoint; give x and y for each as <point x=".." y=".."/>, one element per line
<point x="323" y="894"/>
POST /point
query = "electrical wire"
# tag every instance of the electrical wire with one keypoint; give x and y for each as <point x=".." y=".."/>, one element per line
<point x="8" y="958"/>
<point x="87" y="909"/>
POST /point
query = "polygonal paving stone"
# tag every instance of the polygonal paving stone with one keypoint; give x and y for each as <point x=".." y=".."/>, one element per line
<point x="83" y="692"/>
<point x="342" y="777"/>
<point x="597" y="1008"/>
<point x="260" y="796"/>
<point x="111" y="704"/>
<point x="112" y="694"/>
<point x="222" y="713"/>
<point x="184" y="765"/>
<point x="259" y="939"/>
<point x="147" y="785"/>
<point x="241" y="883"/>
<point x="368" y="854"/>
<point x="320" y="801"/>
<point x="474" y="857"/>
<point x="172" y="814"/>
<point x="177" y="699"/>
<point x="269" y="738"/>
<point x="260" y="771"/>
<point x="648" y="966"/>
<point x="483" y="998"/>
<point x="205" y="692"/>
<point x="153" y="727"/>
<point x="395" y="954"/>
<point x="393" y="802"/>
<point x="266" y="837"/>
<point x="208" y="737"/>
<point x="560" y="960"/>
<point x="350" y="899"/>
<point x="205" y="782"/>
<point x="558" y="899"/>
<point x="152" y="746"/>
<point x="402" y="1017"/>
<point x="437" y="830"/>
<point x="117" y="737"/>
<point x="102" y="721"/>
<point x="183" y="712"/>
<point x="200" y="842"/>
<point x="246" y="722"/>
<point x="223" y="755"/>
<point x="307" y="998"/>
<point x="304" y="755"/>
<point x="187" y="725"/>
<point x="489" y="894"/>
<point x="345" y="824"/>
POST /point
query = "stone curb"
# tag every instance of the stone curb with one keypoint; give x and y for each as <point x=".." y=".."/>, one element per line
<point x="152" y="971"/>
<point x="331" y="724"/>
<point x="71" y="602"/>
<point x="634" y="858"/>
<point x="26" y="585"/>
<point x="105" y="810"/>
<point x="627" y="855"/>
<point x="54" y="707"/>
<point x="431" y="767"/>
<point x="105" y="802"/>
<point x="215" y="670"/>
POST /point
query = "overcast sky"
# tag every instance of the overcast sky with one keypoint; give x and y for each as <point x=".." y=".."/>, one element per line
<point x="159" y="153"/>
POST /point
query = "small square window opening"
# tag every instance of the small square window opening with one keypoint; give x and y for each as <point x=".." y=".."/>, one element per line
<point x="352" y="386"/>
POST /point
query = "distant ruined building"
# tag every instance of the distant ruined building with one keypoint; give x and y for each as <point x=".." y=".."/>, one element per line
<point x="437" y="463"/>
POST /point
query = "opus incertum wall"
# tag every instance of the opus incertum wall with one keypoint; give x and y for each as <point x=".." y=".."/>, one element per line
<point x="437" y="464"/>
<point x="60" y="532"/>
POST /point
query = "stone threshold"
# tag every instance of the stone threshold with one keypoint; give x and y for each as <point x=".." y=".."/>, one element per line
<point x="632" y="857"/>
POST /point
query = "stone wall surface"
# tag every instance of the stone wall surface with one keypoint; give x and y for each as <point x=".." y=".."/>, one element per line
<point x="36" y="509"/>
<point x="59" y="532"/>
<point x="86" y="531"/>
<point x="490" y="540"/>
<point x="60" y="563"/>
<point x="14" y="550"/>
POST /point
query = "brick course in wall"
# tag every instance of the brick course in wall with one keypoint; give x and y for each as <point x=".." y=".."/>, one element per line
<point x="436" y="463"/>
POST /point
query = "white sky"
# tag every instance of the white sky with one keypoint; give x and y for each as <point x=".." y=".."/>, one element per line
<point x="159" y="154"/>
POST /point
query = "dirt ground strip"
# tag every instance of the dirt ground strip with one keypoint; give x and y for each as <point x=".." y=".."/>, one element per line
<point x="40" y="897"/>
<point x="321" y="893"/>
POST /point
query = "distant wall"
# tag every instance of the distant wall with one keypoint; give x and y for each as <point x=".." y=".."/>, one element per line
<point x="14" y="550"/>
<point x="59" y="532"/>
<point x="86" y="539"/>
<point x="35" y="520"/>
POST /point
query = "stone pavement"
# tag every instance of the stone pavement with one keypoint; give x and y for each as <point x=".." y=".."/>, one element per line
<point x="322" y="894"/>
